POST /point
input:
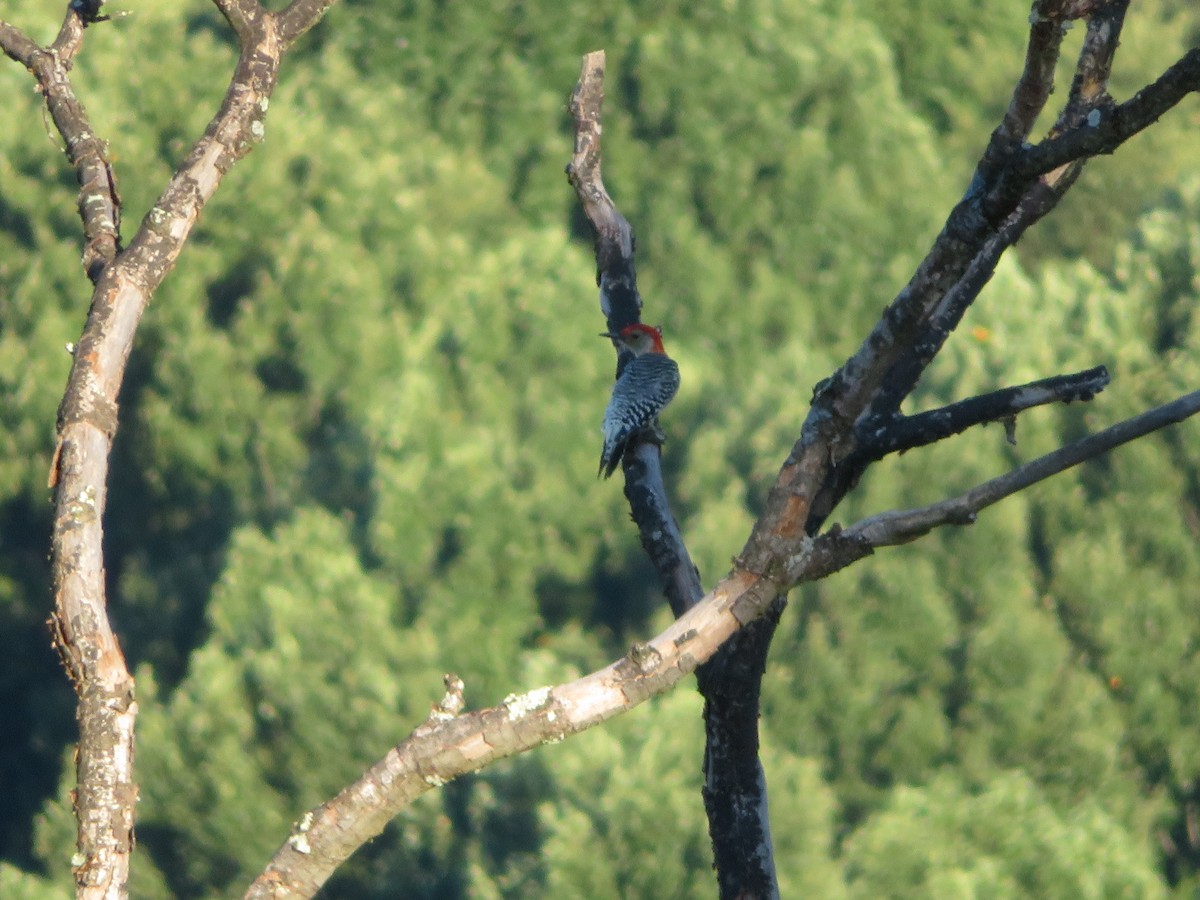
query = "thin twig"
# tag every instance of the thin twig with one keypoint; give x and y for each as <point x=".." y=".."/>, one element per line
<point x="901" y="527"/>
<point x="909" y="432"/>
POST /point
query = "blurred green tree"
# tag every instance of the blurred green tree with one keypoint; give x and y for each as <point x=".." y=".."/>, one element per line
<point x="359" y="428"/>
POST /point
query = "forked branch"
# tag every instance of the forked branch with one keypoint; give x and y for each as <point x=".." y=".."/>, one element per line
<point x="447" y="746"/>
<point x="99" y="202"/>
<point x="1109" y="125"/>
<point x="780" y="553"/>
<point x="900" y="527"/>
<point x="124" y="281"/>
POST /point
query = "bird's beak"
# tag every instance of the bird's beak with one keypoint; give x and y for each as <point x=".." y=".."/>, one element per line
<point x="609" y="334"/>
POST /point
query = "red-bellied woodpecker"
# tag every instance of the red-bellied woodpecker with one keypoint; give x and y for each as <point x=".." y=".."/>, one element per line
<point x="644" y="387"/>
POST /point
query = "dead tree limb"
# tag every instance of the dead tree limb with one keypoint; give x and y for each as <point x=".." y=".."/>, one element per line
<point x="1006" y="196"/>
<point x="735" y="790"/>
<point x="124" y="282"/>
<point x="1014" y="185"/>
<point x="902" y="433"/>
<point x="621" y="305"/>
<point x="447" y="745"/>
<point x="892" y="528"/>
<point x="99" y="202"/>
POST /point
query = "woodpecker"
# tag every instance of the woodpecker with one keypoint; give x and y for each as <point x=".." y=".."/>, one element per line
<point x="642" y="390"/>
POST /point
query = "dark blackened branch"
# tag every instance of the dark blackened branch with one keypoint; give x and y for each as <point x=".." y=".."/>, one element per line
<point x="1005" y="186"/>
<point x="661" y="539"/>
<point x="953" y="305"/>
<point x="1001" y="176"/>
<point x="1089" y="88"/>
<point x="615" y="272"/>
<point x="1002" y="200"/>
<point x="995" y="211"/>
<point x="1106" y="127"/>
<point x="902" y="526"/>
<point x="1048" y="24"/>
<point x="88" y="11"/>
<point x="915" y="357"/>
<point x="621" y="305"/>
<point x="915" y="325"/>
<point x="909" y="432"/>
<point x="735" y="790"/>
<point x="99" y="202"/>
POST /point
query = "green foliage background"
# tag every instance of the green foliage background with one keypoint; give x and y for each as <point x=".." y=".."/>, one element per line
<point x="359" y="435"/>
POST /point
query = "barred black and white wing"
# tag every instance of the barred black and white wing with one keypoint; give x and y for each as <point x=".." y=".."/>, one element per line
<point x="646" y="386"/>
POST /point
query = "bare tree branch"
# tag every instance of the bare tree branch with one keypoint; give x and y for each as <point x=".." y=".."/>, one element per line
<point x="621" y="305"/>
<point x="735" y="788"/>
<point x="124" y="282"/>
<point x="921" y="318"/>
<point x="99" y="202"/>
<point x="1089" y="87"/>
<point x="70" y="35"/>
<point x="909" y="432"/>
<point x="999" y="205"/>
<point x="735" y="785"/>
<point x="444" y="748"/>
<point x="1004" y="199"/>
<point x="901" y="527"/>
<point x="106" y="793"/>
<point x="660" y="535"/>
<point x="615" y="274"/>
<point x="17" y="46"/>
<point x="448" y="748"/>
<point x="1107" y="127"/>
<point x="945" y="315"/>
